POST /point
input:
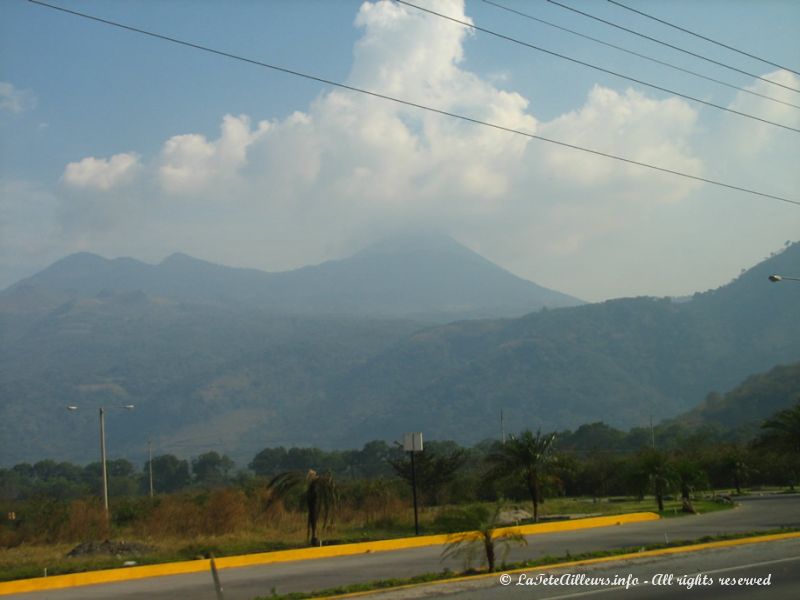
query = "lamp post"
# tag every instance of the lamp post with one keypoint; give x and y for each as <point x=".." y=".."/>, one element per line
<point x="412" y="442"/>
<point x="777" y="278"/>
<point x="103" y="464"/>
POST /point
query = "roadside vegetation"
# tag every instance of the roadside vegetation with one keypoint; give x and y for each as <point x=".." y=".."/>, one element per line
<point x="300" y="496"/>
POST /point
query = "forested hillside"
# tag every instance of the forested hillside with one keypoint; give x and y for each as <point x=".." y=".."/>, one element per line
<point x="236" y="379"/>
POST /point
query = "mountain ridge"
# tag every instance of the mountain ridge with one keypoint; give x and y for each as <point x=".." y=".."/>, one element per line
<point x="431" y="276"/>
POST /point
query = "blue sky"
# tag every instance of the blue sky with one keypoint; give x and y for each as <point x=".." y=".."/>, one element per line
<point x="120" y="144"/>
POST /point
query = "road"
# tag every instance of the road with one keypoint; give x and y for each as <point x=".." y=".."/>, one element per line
<point x="769" y="571"/>
<point x="755" y="513"/>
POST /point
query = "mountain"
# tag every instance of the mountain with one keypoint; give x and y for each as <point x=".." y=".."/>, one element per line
<point x="228" y="376"/>
<point x="424" y="276"/>
<point x="620" y="362"/>
<point x="750" y="403"/>
<point x="201" y="377"/>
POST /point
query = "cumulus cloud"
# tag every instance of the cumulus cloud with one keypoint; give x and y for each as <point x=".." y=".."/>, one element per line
<point x="14" y="99"/>
<point x="625" y="124"/>
<point x="188" y="163"/>
<point x="102" y="174"/>
<point x="348" y="168"/>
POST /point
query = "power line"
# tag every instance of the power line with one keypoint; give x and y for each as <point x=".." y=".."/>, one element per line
<point x="595" y="67"/>
<point x="678" y="48"/>
<point x="416" y="105"/>
<point x="639" y="54"/>
<point x="702" y="37"/>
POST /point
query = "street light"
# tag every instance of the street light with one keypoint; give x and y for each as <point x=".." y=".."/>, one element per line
<point x="412" y="442"/>
<point x="776" y="278"/>
<point x="103" y="465"/>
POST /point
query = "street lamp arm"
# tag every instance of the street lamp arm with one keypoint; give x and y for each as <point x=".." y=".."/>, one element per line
<point x="775" y="278"/>
<point x="103" y="461"/>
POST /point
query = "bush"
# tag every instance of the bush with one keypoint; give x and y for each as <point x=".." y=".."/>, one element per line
<point x="86" y="521"/>
<point x="226" y="511"/>
<point x="178" y="515"/>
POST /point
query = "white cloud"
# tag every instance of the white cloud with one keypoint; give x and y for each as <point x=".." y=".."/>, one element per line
<point x="766" y="151"/>
<point x="349" y="167"/>
<point x="188" y="163"/>
<point x="629" y="125"/>
<point x="102" y="174"/>
<point x="15" y="100"/>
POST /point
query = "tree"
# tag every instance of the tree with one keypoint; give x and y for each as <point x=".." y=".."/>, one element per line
<point x="320" y="494"/>
<point x="372" y="460"/>
<point x="211" y="468"/>
<point x="782" y="431"/>
<point x="689" y="476"/>
<point x="269" y="462"/>
<point x="435" y="468"/>
<point x="656" y="467"/>
<point x="169" y="473"/>
<point x="781" y="436"/>
<point x="478" y="524"/>
<point x="734" y="464"/>
<point x="524" y="456"/>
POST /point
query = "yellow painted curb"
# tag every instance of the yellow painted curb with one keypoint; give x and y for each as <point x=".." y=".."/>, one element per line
<point x="263" y="558"/>
<point x="589" y="561"/>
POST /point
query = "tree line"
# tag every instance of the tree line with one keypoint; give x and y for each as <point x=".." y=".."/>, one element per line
<point x="594" y="460"/>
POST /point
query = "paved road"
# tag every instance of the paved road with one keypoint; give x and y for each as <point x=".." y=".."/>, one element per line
<point x="759" y="513"/>
<point x="758" y="571"/>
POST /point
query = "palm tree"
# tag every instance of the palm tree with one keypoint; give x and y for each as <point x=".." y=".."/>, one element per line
<point x="527" y="456"/>
<point x="482" y="524"/>
<point x="320" y="495"/>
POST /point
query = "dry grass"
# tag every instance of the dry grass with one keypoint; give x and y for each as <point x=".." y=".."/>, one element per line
<point x="229" y="522"/>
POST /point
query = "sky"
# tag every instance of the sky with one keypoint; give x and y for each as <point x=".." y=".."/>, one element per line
<point x="120" y="144"/>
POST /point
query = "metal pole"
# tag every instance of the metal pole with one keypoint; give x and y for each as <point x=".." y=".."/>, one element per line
<point x="215" y="576"/>
<point x="150" y="464"/>
<point x="103" y="458"/>
<point x="502" y="427"/>
<point x="414" y="492"/>
<point x="652" y="433"/>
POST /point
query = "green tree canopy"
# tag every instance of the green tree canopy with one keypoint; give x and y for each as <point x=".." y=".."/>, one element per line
<point x="211" y="468"/>
<point x="525" y="455"/>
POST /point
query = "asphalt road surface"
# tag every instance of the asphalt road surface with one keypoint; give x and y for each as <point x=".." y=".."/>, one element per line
<point x="755" y="513"/>
<point x="769" y="571"/>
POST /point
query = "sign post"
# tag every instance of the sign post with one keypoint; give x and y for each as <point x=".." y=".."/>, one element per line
<point x="412" y="442"/>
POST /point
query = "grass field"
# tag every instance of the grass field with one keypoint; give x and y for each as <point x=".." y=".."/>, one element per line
<point x="289" y="531"/>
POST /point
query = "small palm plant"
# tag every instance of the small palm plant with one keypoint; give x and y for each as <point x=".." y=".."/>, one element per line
<point x="321" y="497"/>
<point x="480" y="536"/>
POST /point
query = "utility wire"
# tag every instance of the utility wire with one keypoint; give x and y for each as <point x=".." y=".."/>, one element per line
<point x="634" y="53"/>
<point x="678" y="48"/>
<point x="595" y="67"/>
<point x="416" y="105"/>
<point x="702" y="37"/>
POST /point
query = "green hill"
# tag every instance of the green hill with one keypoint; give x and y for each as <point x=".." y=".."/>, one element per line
<point x="748" y="404"/>
<point x="619" y="362"/>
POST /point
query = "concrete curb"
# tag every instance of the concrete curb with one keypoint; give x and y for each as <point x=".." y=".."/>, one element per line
<point x="589" y="561"/>
<point x="247" y="560"/>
